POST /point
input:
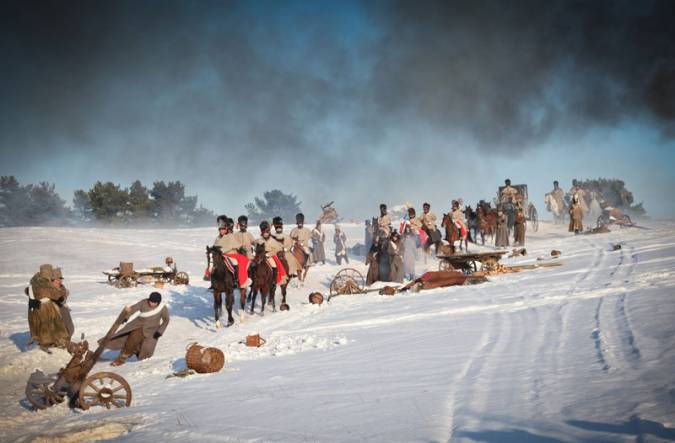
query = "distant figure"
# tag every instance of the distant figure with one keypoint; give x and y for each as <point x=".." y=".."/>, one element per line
<point x="409" y="253"/>
<point x="580" y="192"/>
<point x="368" y="235"/>
<point x="502" y="236"/>
<point x="576" y="215"/>
<point x="140" y="336"/>
<point x="340" y="240"/>
<point x="318" y="239"/>
<point x="519" y="226"/>
<point x="395" y="253"/>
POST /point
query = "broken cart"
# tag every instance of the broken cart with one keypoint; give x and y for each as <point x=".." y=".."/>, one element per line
<point x="83" y="390"/>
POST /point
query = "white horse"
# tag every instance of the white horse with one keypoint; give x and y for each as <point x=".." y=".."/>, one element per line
<point x="594" y="209"/>
<point x="552" y="205"/>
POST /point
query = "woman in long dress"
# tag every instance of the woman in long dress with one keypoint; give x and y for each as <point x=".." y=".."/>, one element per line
<point x="318" y="238"/>
<point x="502" y="237"/>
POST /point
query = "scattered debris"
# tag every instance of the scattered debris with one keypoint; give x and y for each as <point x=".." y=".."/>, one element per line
<point x="204" y="360"/>
<point x="255" y="341"/>
<point x="315" y="298"/>
<point x="182" y="373"/>
<point x="518" y="252"/>
<point x="555" y="253"/>
<point x="616" y="247"/>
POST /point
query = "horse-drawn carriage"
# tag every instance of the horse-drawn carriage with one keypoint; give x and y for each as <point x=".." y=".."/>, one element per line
<point x="125" y="276"/>
<point x="509" y="208"/>
<point x="73" y="381"/>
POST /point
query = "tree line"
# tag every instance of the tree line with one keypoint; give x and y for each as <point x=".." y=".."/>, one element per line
<point x="106" y="203"/>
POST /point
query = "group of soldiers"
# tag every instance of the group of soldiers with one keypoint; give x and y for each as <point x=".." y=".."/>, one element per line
<point x="51" y="324"/>
<point x="239" y="245"/>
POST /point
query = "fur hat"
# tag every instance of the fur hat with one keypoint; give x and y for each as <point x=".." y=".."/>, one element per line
<point x="425" y="204"/>
<point x="242" y="219"/>
<point x="168" y="260"/>
<point x="277" y="221"/>
<point x="264" y="226"/>
<point x="507" y="182"/>
<point x="56" y="274"/>
<point x="46" y="271"/>
<point x="155" y="297"/>
<point x="383" y="206"/>
<point x="300" y="217"/>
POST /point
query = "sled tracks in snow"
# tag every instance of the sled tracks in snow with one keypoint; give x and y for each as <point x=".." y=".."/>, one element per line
<point x="613" y="334"/>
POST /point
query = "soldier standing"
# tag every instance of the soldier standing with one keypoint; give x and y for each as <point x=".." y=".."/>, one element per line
<point x="48" y="316"/>
<point x="340" y="240"/>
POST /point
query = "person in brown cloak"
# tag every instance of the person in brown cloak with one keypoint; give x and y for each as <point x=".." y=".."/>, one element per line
<point x="46" y="309"/>
<point x="140" y="336"/>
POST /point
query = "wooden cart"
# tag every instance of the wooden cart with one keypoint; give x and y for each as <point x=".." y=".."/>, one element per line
<point x="83" y="390"/>
<point x="127" y="277"/>
<point x="469" y="263"/>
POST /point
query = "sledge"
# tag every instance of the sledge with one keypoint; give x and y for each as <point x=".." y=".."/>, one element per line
<point x="125" y="276"/>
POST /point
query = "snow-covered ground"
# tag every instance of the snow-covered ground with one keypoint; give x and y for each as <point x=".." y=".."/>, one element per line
<point x="581" y="352"/>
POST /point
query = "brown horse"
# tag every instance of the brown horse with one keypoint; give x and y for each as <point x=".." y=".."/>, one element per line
<point x="263" y="280"/>
<point x="453" y="233"/>
<point x="303" y="260"/>
<point x="222" y="280"/>
<point x="487" y="222"/>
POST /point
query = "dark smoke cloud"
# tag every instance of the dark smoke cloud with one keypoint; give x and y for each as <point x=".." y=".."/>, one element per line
<point x="510" y="73"/>
<point x="337" y="96"/>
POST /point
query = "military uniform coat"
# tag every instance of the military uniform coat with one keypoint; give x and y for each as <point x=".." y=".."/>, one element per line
<point x="383" y="223"/>
<point x="502" y="236"/>
<point x="228" y="243"/>
<point x="519" y="229"/>
<point x="428" y="221"/>
<point x="286" y="244"/>
<point x="157" y="322"/>
<point x="395" y="252"/>
<point x="245" y="242"/>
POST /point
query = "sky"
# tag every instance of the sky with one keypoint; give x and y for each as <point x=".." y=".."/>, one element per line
<point x="357" y="102"/>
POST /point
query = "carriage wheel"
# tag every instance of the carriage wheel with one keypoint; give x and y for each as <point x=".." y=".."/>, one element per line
<point x="444" y="265"/>
<point x="40" y="395"/>
<point x="601" y="221"/>
<point x="112" y="279"/>
<point x="181" y="278"/>
<point x="626" y="221"/>
<point x="347" y="281"/>
<point x="105" y="389"/>
<point x="126" y="281"/>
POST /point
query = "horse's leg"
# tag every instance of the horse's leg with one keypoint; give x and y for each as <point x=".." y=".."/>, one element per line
<point x="264" y="293"/>
<point x="217" y="307"/>
<point x="252" y="296"/>
<point x="229" y="303"/>
<point x="242" y="303"/>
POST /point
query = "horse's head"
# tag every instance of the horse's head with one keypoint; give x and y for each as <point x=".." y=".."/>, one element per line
<point x="259" y="253"/>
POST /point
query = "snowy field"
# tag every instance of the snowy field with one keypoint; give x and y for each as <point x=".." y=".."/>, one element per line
<point x="581" y="352"/>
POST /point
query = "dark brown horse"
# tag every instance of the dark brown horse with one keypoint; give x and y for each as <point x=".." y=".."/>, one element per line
<point x="263" y="280"/>
<point x="222" y="280"/>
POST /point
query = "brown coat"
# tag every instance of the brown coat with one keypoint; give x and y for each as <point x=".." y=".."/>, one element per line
<point x="155" y="323"/>
<point x="427" y="220"/>
<point x="228" y="243"/>
<point x="395" y="252"/>
<point x="519" y="229"/>
<point x="383" y="222"/>
<point x="576" y="217"/>
<point x="47" y="324"/>
<point x="285" y="242"/>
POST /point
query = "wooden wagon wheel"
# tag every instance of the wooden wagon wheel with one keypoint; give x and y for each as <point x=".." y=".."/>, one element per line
<point x="126" y="281"/>
<point x="626" y="221"/>
<point x="112" y="279"/>
<point x="105" y="389"/>
<point x="40" y="395"/>
<point x="181" y="278"/>
<point x="347" y="281"/>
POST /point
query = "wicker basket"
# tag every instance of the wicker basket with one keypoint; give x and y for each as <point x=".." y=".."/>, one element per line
<point x="204" y="360"/>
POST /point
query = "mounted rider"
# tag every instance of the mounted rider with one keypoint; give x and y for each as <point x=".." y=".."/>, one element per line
<point x="230" y="248"/>
<point x="302" y="235"/>
<point x="286" y="243"/>
<point x="272" y="250"/>
<point x="244" y="238"/>
<point x="428" y="220"/>
<point x="577" y="190"/>
<point x="457" y="218"/>
<point x="509" y="194"/>
<point x="383" y="222"/>
<point x="558" y="194"/>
